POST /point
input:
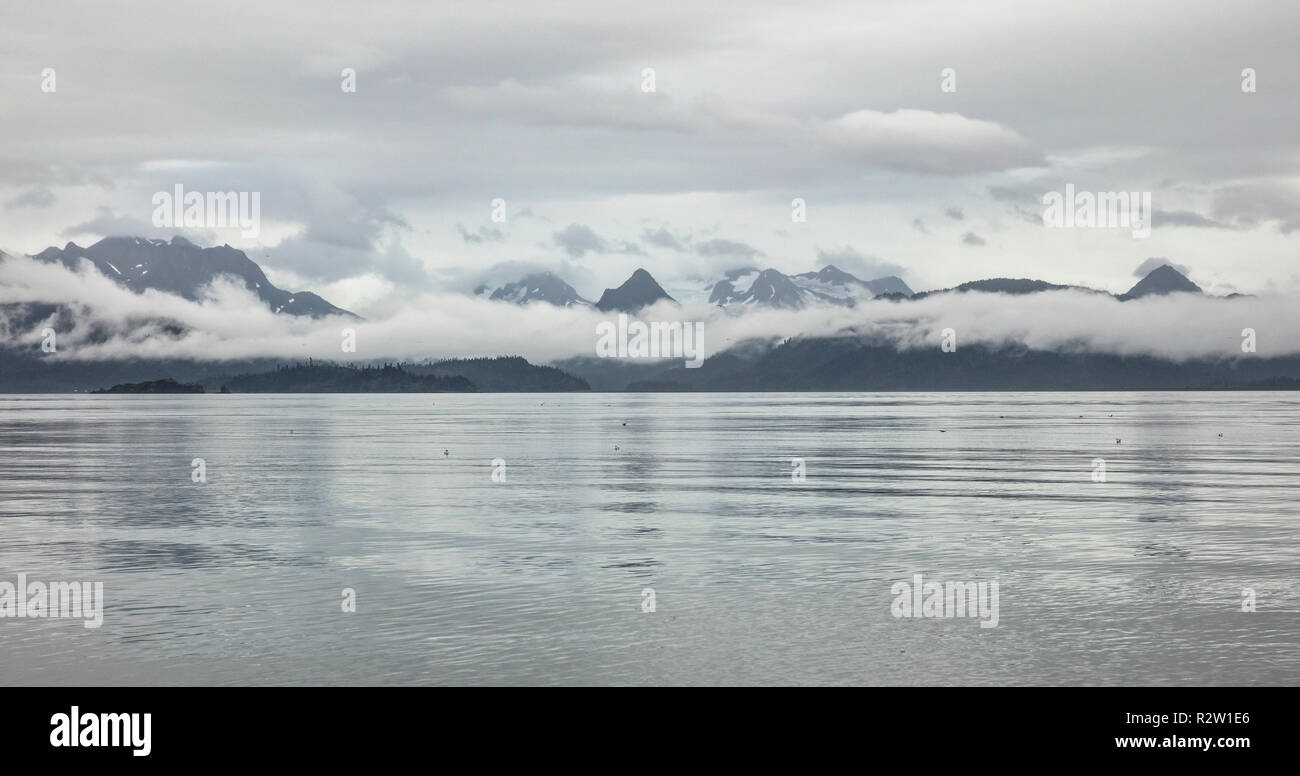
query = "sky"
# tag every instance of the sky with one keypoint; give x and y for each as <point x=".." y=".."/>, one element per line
<point x="382" y="196"/>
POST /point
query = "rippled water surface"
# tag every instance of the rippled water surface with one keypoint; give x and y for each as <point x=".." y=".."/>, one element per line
<point x="756" y="579"/>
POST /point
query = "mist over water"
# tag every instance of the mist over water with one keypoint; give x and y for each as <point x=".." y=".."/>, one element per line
<point x="757" y="579"/>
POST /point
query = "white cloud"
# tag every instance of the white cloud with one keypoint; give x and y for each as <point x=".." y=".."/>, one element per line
<point x="229" y="323"/>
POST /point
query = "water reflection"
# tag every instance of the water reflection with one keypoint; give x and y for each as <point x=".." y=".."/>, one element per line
<point x="759" y="579"/>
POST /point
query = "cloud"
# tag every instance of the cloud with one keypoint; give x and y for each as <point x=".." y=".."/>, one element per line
<point x="903" y="139"/>
<point x="727" y="249"/>
<point x="108" y="223"/>
<point x="1190" y="218"/>
<point x="1147" y="266"/>
<point x="1184" y="219"/>
<point x="919" y="226"/>
<point x="924" y="141"/>
<point x="955" y="213"/>
<point x="52" y="174"/>
<point x="391" y="259"/>
<point x="1022" y="193"/>
<point x="483" y="234"/>
<point x="578" y="239"/>
<point x="662" y="238"/>
<point x="227" y="322"/>
<point x="341" y="234"/>
<point x="1025" y="200"/>
<point x="970" y="238"/>
<point x="858" y="265"/>
<point x="574" y="136"/>
<point x="468" y="281"/>
<point x="36" y="197"/>
<point x="1254" y="203"/>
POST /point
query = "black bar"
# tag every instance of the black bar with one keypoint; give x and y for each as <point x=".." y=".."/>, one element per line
<point x="994" y="726"/>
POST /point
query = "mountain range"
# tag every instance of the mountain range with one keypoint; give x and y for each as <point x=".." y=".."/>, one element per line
<point x="1159" y="281"/>
<point x="771" y="288"/>
<point x="865" y="364"/>
<point x="537" y="287"/>
<point x="746" y="285"/>
<point x="825" y="363"/>
<point x="637" y="292"/>
<point x="182" y="268"/>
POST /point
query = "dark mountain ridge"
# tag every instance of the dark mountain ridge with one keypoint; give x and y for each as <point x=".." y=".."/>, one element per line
<point x="1160" y="281"/>
<point x="503" y="374"/>
<point x="638" y="291"/>
<point x="334" y="378"/>
<point x="182" y="268"/>
<point x="863" y="364"/>
<point x="166" y="385"/>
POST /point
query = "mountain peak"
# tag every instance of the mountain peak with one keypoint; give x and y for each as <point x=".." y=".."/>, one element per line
<point x="833" y="274"/>
<point x="184" y="269"/>
<point x="828" y="285"/>
<point x="639" y="290"/>
<point x="541" y="286"/>
<point x="1160" y="281"/>
<point x="889" y="284"/>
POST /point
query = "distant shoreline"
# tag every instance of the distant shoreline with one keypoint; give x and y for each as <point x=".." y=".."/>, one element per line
<point x="653" y="393"/>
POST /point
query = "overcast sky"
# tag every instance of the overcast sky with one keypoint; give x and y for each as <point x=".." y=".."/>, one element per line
<point x="387" y="192"/>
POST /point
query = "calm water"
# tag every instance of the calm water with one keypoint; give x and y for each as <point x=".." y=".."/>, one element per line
<point x="757" y="579"/>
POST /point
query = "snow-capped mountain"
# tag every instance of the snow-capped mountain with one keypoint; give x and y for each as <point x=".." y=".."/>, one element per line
<point x="538" y="287"/>
<point x="766" y="287"/>
<point x="772" y="288"/>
